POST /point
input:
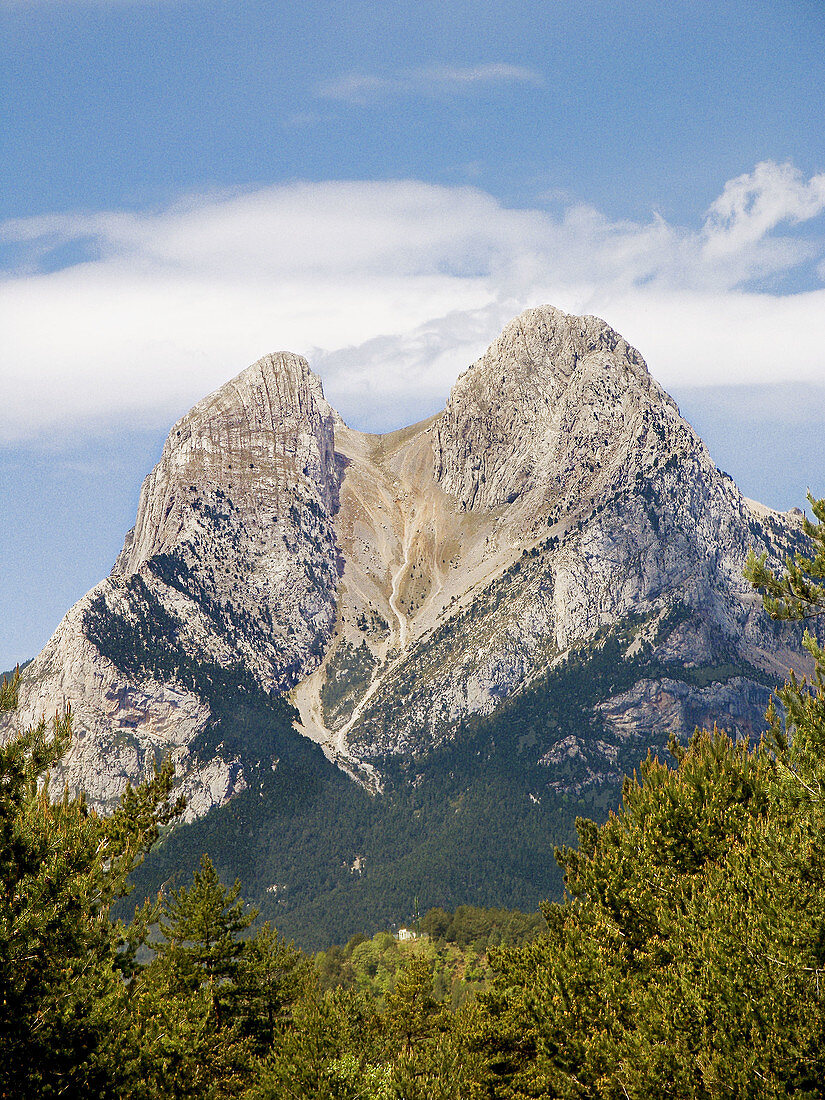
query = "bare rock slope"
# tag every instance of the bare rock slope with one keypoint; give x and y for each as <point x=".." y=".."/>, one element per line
<point x="395" y="585"/>
<point x="227" y="582"/>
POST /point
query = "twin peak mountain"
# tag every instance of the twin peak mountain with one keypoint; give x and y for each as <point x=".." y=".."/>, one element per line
<point x="392" y="587"/>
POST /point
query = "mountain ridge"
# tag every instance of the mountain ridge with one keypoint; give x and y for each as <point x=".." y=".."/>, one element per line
<point x="395" y="585"/>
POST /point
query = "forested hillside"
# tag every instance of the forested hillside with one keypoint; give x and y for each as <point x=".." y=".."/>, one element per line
<point x="687" y="958"/>
<point x="456" y="945"/>
<point x="471" y="822"/>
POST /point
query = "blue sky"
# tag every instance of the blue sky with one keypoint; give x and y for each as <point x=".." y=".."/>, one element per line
<point x="629" y="106"/>
<point x="190" y="184"/>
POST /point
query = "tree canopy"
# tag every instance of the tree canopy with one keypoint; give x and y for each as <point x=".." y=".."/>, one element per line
<point x="64" y="966"/>
<point x="688" y="957"/>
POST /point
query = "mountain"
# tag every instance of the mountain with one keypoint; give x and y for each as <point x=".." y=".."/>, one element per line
<point x="227" y="582"/>
<point x="491" y="613"/>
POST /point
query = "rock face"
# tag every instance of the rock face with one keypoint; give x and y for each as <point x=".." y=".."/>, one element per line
<point x="236" y="522"/>
<point x="546" y="412"/>
<point x="558" y="495"/>
<point x="396" y="585"/>
<point x="227" y="580"/>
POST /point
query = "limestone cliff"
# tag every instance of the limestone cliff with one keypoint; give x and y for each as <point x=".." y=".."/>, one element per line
<point x="558" y="494"/>
<point x="395" y="585"/>
<point x="226" y="582"/>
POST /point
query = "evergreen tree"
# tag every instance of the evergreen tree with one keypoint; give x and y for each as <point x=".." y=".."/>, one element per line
<point x="798" y="592"/>
<point x="188" y="995"/>
<point x="412" y="1013"/>
<point x="332" y="1050"/>
<point x="64" y="966"/>
<point x="201" y="928"/>
<point x="688" y="957"/>
<point x="272" y="977"/>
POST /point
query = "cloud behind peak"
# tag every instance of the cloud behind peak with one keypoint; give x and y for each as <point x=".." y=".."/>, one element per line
<point x="392" y="288"/>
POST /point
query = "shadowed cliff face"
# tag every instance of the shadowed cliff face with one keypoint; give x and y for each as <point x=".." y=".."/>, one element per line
<point x="395" y="585"/>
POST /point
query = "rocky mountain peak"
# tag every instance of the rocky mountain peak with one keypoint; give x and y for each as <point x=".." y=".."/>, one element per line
<point x="541" y="349"/>
<point x="556" y="407"/>
<point x="227" y="581"/>
<point x="257" y="441"/>
<point x="393" y="586"/>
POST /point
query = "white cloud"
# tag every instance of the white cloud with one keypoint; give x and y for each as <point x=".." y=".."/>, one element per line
<point x="357" y="88"/>
<point x="390" y="288"/>
<point x="360" y="89"/>
<point x="493" y="72"/>
<point x="753" y="204"/>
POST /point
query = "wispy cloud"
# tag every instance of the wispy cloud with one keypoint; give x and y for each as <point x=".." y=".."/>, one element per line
<point x="363" y="88"/>
<point x="753" y="204"/>
<point x="494" y="72"/>
<point x="391" y="288"/>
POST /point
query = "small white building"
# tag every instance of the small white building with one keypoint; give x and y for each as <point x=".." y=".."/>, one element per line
<point x="405" y="934"/>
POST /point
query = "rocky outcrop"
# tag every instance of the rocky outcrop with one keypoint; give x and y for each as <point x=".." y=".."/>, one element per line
<point x="564" y="495"/>
<point x="652" y="709"/>
<point x="235" y="524"/>
<point x="227" y="582"/>
<point x="545" y="413"/>
<point x="396" y="585"/>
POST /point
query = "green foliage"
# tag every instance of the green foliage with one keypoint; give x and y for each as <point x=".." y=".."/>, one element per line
<point x="688" y="957"/>
<point x="684" y="962"/>
<point x="412" y="1011"/>
<point x="481" y="928"/>
<point x="348" y="675"/>
<point x="200" y="929"/>
<point x="9" y="690"/>
<point x="64" y="1012"/>
<point x="189" y="994"/>
<point x="469" y="823"/>
<point x="454" y="945"/>
<point x="798" y="593"/>
<point x="274" y="975"/>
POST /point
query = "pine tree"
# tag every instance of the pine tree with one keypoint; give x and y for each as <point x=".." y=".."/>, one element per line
<point x="412" y="1013"/>
<point x="201" y="928"/>
<point x="688" y="959"/>
<point x="64" y="966"/>
<point x="798" y="592"/>
<point x="188" y="997"/>
<point x="272" y="977"/>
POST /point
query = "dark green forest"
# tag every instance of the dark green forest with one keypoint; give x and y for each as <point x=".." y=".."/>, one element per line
<point x="685" y="958"/>
<point x="470" y="822"/>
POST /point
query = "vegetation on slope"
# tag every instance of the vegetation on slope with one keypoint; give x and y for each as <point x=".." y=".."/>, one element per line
<point x="470" y="822"/>
<point x="456" y="946"/>
<point x="687" y="958"/>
